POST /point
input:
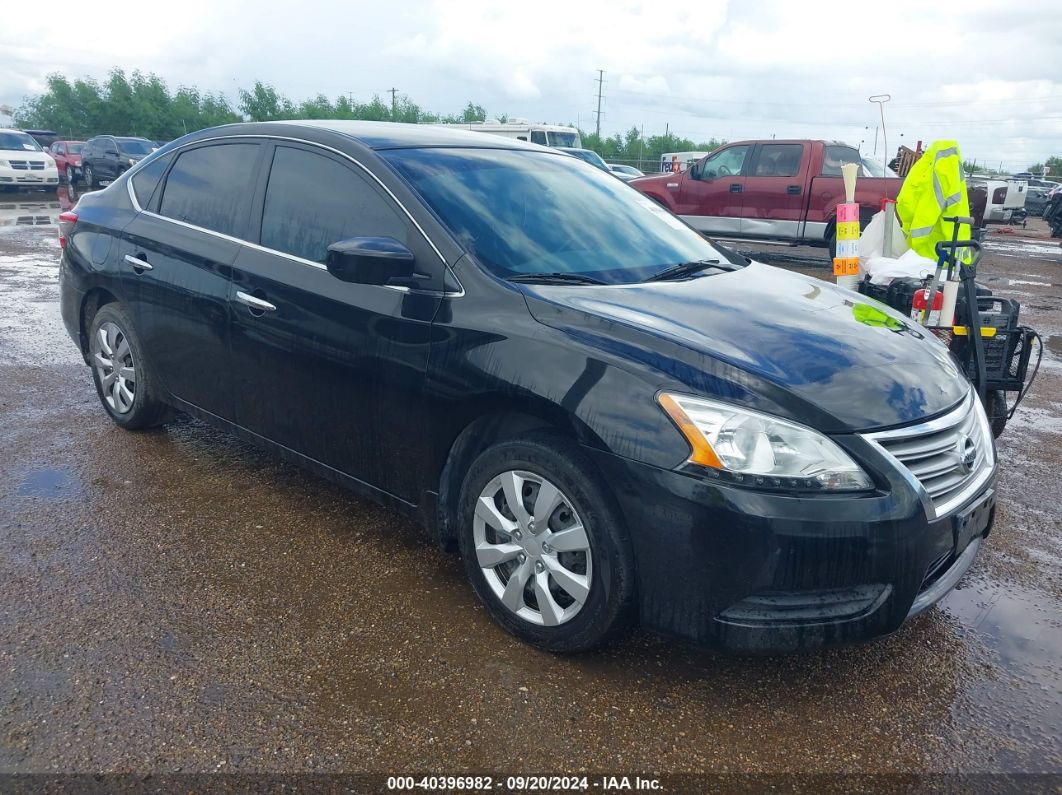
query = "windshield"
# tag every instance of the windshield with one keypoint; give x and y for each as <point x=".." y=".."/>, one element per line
<point x="522" y="213"/>
<point x="591" y="157"/>
<point x="74" y="149"/>
<point x="135" y="147"/>
<point x="875" y="168"/>
<point x="570" y="139"/>
<point x="18" y="141"/>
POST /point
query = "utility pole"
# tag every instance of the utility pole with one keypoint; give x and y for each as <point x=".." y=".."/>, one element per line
<point x="600" y="85"/>
<point x="394" y="102"/>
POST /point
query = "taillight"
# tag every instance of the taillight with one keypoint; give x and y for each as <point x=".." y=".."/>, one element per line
<point x="66" y="226"/>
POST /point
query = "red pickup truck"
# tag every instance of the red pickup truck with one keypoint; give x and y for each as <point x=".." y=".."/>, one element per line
<point x="771" y="190"/>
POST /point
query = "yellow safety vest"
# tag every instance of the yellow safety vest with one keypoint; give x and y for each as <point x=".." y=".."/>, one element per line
<point x="934" y="188"/>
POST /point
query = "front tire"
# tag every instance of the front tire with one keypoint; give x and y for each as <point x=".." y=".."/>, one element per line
<point x="544" y="545"/>
<point x="90" y="177"/>
<point x="126" y="386"/>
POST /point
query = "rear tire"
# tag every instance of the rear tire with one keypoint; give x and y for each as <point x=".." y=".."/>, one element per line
<point x="125" y="382"/>
<point x="564" y="546"/>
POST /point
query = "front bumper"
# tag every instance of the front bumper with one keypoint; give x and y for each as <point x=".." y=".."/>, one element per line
<point x="29" y="177"/>
<point x="759" y="572"/>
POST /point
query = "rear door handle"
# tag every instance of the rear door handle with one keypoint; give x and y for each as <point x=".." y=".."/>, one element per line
<point x="253" y="303"/>
<point x="137" y="263"/>
<point x="793" y="189"/>
<point x="735" y="187"/>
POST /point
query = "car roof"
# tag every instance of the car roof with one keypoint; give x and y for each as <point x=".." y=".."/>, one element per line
<point x="392" y="135"/>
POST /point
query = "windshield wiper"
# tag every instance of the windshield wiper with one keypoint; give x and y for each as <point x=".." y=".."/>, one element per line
<point x="557" y="276"/>
<point x="688" y="268"/>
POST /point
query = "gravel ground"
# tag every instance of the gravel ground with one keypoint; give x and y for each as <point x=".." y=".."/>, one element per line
<point x="177" y="601"/>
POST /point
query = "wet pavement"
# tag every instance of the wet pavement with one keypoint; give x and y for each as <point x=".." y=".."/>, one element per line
<point x="178" y="601"/>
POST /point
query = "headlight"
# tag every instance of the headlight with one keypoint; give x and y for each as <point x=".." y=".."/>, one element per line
<point x="760" y="450"/>
<point x="4" y="164"/>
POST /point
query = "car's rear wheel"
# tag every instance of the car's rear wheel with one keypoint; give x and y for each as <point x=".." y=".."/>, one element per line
<point x="124" y="381"/>
<point x="544" y="546"/>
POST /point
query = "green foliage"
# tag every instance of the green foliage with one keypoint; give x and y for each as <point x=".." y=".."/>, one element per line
<point x="136" y="105"/>
<point x="143" y="105"/>
<point x="632" y="147"/>
<point x="1054" y="167"/>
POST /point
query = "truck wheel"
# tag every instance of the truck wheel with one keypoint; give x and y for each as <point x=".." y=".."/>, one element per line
<point x="996" y="409"/>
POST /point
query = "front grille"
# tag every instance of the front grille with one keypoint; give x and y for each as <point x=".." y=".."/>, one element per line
<point x="27" y="165"/>
<point x="950" y="457"/>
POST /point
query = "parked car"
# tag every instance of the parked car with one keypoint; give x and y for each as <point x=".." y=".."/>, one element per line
<point x="1036" y="201"/>
<point x="42" y="137"/>
<point x="626" y="173"/>
<point x="587" y="156"/>
<point x="611" y="417"/>
<point x="107" y="157"/>
<point x="23" y="164"/>
<point x="770" y="190"/>
<point x="67" y="156"/>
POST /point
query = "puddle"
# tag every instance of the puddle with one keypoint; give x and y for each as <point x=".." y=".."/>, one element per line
<point x="1054" y="345"/>
<point x="1022" y="628"/>
<point x="51" y="484"/>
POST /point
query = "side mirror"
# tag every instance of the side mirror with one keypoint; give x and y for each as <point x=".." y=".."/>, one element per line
<point x="695" y="170"/>
<point x="370" y="260"/>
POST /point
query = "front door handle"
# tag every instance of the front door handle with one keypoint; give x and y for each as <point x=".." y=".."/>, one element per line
<point x="793" y="190"/>
<point x="735" y="187"/>
<point x="137" y="263"/>
<point x="253" y="303"/>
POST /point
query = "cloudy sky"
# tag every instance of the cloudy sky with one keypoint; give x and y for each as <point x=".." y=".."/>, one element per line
<point x="984" y="72"/>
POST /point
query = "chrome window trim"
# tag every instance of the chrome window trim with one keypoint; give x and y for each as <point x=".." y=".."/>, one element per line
<point x="131" y="172"/>
<point x="953" y="417"/>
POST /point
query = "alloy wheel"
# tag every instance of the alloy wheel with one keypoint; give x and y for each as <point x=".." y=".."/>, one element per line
<point x="533" y="548"/>
<point x="112" y="357"/>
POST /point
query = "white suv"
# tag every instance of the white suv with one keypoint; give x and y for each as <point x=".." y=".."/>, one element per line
<point x="23" y="164"/>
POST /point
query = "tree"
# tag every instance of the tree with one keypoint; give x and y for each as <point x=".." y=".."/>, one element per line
<point x="1054" y="167"/>
<point x="263" y="103"/>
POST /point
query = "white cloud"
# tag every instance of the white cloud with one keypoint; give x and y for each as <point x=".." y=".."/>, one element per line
<point x="704" y="67"/>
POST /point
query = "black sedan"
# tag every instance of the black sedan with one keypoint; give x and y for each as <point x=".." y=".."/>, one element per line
<point x="611" y="418"/>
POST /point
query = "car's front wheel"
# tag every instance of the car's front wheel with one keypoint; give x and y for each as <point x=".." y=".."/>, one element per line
<point x="124" y="381"/>
<point x="90" y="177"/>
<point x="544" y="545"/>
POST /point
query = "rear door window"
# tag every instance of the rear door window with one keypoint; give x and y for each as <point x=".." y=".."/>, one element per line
<point x="211" y="187"/>
<point x="836" y="156"/>
<point x="147" y="179"/>
<point x="313" y="201"/>
<point x="778" y="160"/>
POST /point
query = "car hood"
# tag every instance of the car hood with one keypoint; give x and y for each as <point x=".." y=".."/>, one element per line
<point x="771" y="339"/>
